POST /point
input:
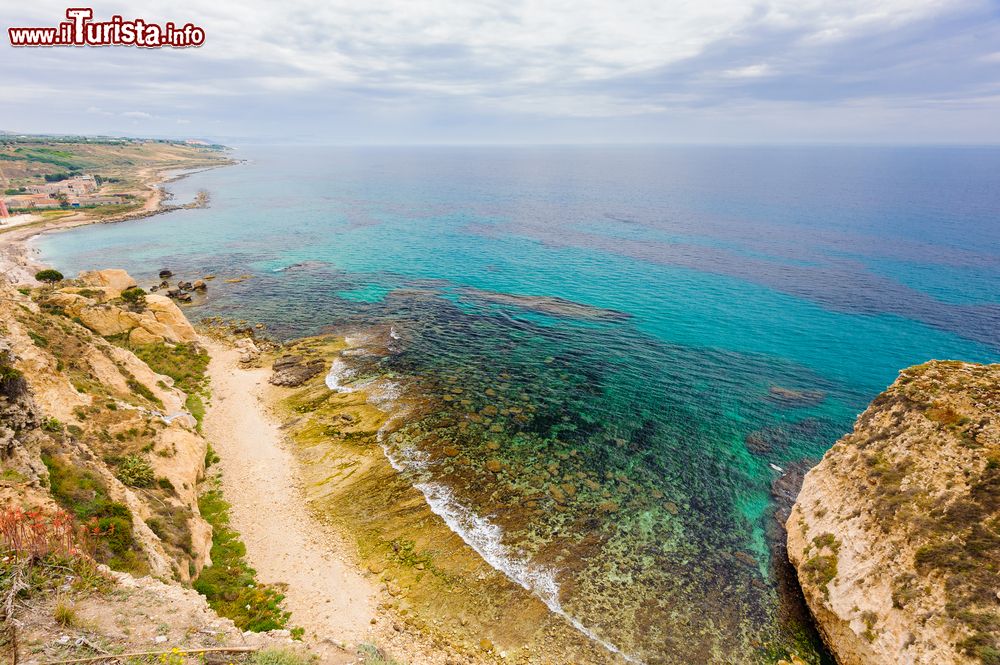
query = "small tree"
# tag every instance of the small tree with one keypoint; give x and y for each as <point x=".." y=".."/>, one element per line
<point x="49" y="276"/>
<point x="135" y="298"/>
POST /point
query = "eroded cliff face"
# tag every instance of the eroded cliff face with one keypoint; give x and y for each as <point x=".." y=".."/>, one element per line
<point x="88" y="427"/>
<point x="896" y="533"/>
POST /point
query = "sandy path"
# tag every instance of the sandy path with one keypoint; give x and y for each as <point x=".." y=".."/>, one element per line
<point x="326" y="593"/>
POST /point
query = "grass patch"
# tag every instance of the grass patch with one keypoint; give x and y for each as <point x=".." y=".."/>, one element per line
<point x="186" y="364"/>
<point x="229" y="583"/>
<point x="38" y="339"/>
<point x="140" y="389"/>
<point x="211" y="457"/>
<point x="196" y="407"/>
<point x="279" y="657"/>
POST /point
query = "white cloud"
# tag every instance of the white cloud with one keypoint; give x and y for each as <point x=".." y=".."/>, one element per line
<point x="543" y="58"/>
<point x="750" y="71"/>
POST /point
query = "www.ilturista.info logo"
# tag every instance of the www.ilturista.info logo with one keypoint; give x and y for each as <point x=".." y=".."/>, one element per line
<point x="80" y="30"/>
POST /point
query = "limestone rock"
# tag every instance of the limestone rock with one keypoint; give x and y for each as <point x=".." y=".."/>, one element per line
<point x="108" y="320"/>
<point x="249" y="353"/>
<point x="893" y="534"/>
<point x="169" y="315"/>
<point x="113" y="281"/>
<point x="141" y="336"/>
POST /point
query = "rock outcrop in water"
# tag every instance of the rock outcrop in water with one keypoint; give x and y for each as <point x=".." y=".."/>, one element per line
<point x="292" y="371"/>
<point x="896" y="533"/>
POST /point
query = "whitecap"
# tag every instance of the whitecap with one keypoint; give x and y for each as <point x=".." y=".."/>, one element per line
<point x="338" y="374"/>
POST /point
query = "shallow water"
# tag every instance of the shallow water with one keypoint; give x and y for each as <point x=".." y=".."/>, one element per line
<point x="697" y="319"/>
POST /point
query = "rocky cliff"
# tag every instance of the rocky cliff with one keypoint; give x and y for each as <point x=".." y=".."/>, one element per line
<point x="896" y="533"/>
<point x="101" y="459"/>
<point x="89" y="427"/>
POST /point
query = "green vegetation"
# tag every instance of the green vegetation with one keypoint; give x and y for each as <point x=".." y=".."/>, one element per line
<point x="229" y="584"/>
<point x="140" y="389"/>
<point x="65" y="614"/>
<point x="85" y="495"/>
<point x="134" y="298"/>
<point x="38" y="339"/>
<point x="372" y="655"/>
<point x="12" y="381"/>
<point x="211" y="457"/>
<point x="186" y="364"/>
<point x="49" y="276"/>
<point x="278" y="657"/>
<point x="821" y="569"/>
<point x="196" y="407"/>
<point x="135" y="471"/>
<point x="59" y="177"/>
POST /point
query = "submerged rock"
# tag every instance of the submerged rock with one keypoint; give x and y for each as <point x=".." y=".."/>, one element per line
<point x="790" y="397"/>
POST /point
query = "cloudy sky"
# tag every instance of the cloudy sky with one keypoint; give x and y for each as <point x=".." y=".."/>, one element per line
<point x="524" y="71"/>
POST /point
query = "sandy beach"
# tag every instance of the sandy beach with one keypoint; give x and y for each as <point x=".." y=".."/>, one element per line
<point x="325" y="591"/>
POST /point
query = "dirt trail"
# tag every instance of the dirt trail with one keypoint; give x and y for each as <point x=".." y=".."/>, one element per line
<point x="326" y="593"/>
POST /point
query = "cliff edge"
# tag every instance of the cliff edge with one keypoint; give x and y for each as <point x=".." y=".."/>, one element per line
<point x="896" y="533"/>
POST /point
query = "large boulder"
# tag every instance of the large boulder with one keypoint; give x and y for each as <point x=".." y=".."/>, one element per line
<point x="108" y="320"/>
<point x="249" y="353"/>
<point x="173" y="325"/>
<point x="112" y="281"/>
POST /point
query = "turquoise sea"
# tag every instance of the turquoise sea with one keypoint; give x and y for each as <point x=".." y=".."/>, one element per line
<point x="690" y="324"/>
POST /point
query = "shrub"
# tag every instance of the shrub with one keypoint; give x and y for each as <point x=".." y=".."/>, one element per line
<point x="372" y="655"/>
<point x="12" y="383"/>
<point x="64" y="614"/>
<point x="52" y="425"/>
<point x="49" y="276"/>
<point x="135" y="298"/>
<point x="33" y="535"/>
<point x="135" y="471"/>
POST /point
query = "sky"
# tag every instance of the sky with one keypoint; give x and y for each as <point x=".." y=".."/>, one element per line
<point x="531" y="71"/>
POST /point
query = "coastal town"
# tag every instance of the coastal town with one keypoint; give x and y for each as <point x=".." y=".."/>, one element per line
<point x="78" y="191"/>
<point x="55" y="173"/>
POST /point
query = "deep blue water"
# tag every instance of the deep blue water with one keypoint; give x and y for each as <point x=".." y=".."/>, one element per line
<point x="729" y="273"/>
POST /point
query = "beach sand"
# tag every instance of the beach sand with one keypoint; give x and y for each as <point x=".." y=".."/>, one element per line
<point x="326" y="592"/>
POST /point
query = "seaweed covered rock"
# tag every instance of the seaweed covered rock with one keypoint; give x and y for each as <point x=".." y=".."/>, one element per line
<point x="291" y="371"/>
